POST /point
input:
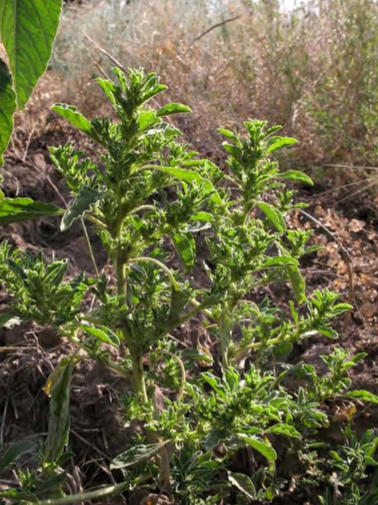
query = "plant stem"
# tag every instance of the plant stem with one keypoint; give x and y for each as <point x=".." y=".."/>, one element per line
<point x="139" y="381"/>
<point x="90" y="495"/>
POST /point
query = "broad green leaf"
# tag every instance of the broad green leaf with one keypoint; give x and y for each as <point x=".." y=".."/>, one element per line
<point x="58" y="387"/>
<point x="282" y="350"/>
<point x="146" y="119"/>
<point x="14" y="452"/>
<point x="260" y="446"/>
<point x="7" y="108"/>
<point x="173" y="108"/>
<point x="183" y="174"/>
<point x="15" y="210"/>
<point x="274" y="216"/>
<point x="365" y="396"/>
<point x="104" y="334"/>
<point x="82" y="203"/>
<point x="28" y="29"/>
<point x="74" y="117"/>
<point x="284" y="429"/>
<point x="186" y="249"/>
<point x="9" y="320"/>
<point x="297" y="283"/>
<point x="279" y="142"/>
<point x="244" y="484"/>
<point x="295" y="175"/>
<point x="136" y="455"/>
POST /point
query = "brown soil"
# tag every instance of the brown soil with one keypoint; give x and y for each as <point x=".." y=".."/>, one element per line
<point x="29" y="354"/>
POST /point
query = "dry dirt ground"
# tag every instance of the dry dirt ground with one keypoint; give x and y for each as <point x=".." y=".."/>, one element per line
<point x="28" y="353"/>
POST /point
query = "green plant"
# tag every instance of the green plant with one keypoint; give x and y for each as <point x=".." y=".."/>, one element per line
<point x="27" y="31"/>
<point x="153" y="202"/>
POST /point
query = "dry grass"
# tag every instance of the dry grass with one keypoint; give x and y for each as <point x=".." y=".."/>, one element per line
<point x="314" y="71"/>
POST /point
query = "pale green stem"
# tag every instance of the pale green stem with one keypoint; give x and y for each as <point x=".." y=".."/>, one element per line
<point x="142" y="207"/>
<point x="182" y="367"/>
<point x="161" y="265"/>
<point x="85" y="497"/>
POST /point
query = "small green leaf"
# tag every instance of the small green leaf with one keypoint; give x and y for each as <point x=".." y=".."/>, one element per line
<point x="284" y="429"/>
<point x="363" y="395"/>
<point x="9" y="320"/>
<point x="244" y="484"/>
<point x="82" y="204"/>
<point x="230" y="135"/>
<point x="28" y="30"/>
<point x="183" y="174"/>
<point x="7" y="108"/>
<point x="15" y="210"/>
<point x="14" y="452"/>
<point x="279" y="142"/>
<point x="274" y="216"/>
<point x="173" y="108"/>
<point x="136" y="455"/>
<point x="295" y="175"/>
<point x="260" y="446"/>
<point x="280" y="261"/>
<point x="104" y="334"/>
<point x="146" y="119"/>
<point x="70" y="113"/>
<point x="185" y="247"/>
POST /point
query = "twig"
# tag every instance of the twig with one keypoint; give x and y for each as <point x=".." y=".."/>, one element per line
<point x="104" y="51"/>
<point x="89" y="245"/>
<point x="217" y="25"/>
<point x="3" y="424"/>
<point x="82" y="439"/>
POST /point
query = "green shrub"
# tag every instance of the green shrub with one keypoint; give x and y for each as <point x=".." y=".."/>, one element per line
<point x="188" y="240"/>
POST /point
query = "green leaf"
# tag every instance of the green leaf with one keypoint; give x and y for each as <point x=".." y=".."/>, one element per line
<point x="244" y="484"/>
<point x="230" y="135"/>
<point x="9" y="320"/>
<point x="82" y="203"/>
<point x="185" y="247"/>
<point x="173" y="108"/>
<point x="74" y="117"/>
<point x="274" y="216"/>
<point x="15" y="210"/>
<point x="136" y="455"/>
<point x="297" y="283"/>
<point x="260" y="446"/>
<point x="183" y="174"/>
<point x="284" y="429"/>
<point x="14" y="452"/>
<point x="214" y="438"/>
<point x="279" y="142"/>
<point x="58" y="386"/>
<point x="295" y="175"/>
<point x="280" y="261"/>
<point x="7" y="108"/>
<point x="104" y="334"/>
<point x="28" y="30"/>
<point x="282" y="350"/>
<point x="363" y="395"/>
